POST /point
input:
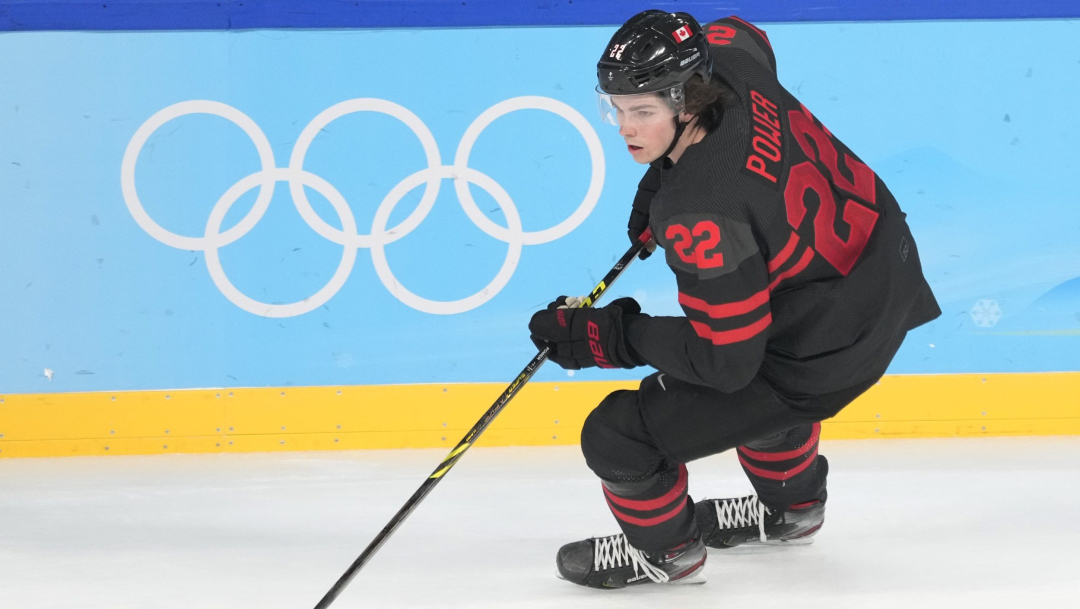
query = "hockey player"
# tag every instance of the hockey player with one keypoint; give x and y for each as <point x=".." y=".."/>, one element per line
<point x="798" y="277"/>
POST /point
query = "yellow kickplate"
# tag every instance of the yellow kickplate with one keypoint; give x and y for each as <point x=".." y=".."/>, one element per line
<point x="427" y="416"/>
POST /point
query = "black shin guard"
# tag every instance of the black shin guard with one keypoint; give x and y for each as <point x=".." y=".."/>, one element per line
<point x="656" y="514"/>
<point x="785" y="468"/>
<point x="645" y="491"/>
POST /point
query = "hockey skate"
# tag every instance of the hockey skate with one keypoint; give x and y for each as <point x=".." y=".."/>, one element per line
<point x="611" y="562"/>
<point x="727" y="523"/>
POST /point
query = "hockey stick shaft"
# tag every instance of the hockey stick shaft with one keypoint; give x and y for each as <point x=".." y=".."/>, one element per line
<point x="474" y="433"/>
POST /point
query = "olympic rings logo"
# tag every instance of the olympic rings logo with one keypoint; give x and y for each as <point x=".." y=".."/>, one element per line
<point x="348" y="237"/>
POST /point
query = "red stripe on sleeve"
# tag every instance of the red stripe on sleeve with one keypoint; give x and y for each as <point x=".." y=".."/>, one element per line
<point x="652" y="504"/>
<point x="791" y="454"/>
<point x="732" y="336"/>
<point x="807" y="256"/>
<point x="785" y="253"/>
<point x="730" y="309"/>
<point x="791" y="473"/>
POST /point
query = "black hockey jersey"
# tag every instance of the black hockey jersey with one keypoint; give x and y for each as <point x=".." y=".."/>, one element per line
<point x="792" y="258"/>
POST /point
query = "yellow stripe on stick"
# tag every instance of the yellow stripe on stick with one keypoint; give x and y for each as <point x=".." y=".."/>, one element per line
<point x="457" y="451"/>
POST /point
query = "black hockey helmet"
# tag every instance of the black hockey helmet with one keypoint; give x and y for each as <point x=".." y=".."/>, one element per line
<point x="652" y="52"/>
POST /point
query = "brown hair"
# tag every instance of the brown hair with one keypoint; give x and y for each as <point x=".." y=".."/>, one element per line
<point x="705" y="101"/>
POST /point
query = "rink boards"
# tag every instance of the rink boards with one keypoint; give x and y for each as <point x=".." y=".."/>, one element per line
<point x="425" y="416"/>
<point x="327" y="306"/>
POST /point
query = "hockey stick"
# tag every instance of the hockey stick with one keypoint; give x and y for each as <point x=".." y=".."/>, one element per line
<point x="474" y="433"/>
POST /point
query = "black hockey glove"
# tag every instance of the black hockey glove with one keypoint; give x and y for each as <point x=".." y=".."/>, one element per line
<point x="639" y="215"/>
<point x="584" y="338"/>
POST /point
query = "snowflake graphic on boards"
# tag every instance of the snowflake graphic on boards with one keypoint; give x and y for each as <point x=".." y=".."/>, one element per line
<point x="986" y="313"/>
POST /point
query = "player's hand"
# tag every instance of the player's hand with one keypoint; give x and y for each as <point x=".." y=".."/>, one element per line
<point x="566" y="302"/>
<point x="585" y="338"/>
<point x="639" y="214"/>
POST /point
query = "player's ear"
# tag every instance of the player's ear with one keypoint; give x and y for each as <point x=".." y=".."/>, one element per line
<point x="686" y="117"/>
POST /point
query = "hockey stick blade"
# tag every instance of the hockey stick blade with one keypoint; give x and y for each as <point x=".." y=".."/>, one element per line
<point x="470" y="438"/>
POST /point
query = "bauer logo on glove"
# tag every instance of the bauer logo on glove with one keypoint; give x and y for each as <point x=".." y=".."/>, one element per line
<point x="585" y="338"/>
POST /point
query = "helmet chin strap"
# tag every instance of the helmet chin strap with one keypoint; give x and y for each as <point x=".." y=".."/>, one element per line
<point x="663" y="162"/>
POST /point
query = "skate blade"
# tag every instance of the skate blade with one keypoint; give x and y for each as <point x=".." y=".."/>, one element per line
<point x="697" y="577"/>
<point x="801" y="541"/>
<point x="758" y="547"/>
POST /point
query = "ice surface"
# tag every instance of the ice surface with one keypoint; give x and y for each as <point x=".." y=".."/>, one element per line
<point x="911" y="523"/>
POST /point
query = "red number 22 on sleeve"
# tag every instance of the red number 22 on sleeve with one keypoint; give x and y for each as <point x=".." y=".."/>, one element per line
<point x="701" y="253"/>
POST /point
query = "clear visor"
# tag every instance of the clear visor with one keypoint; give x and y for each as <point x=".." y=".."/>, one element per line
<point x="640" y="108"/>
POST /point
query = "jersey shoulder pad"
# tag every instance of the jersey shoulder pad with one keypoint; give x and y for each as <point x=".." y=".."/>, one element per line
<point x="732" y="33"/>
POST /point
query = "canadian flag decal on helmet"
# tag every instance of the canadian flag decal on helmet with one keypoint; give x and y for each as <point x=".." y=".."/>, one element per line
<point x="681" y="34"/>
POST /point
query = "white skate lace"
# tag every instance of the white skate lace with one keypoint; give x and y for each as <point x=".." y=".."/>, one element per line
<point x="742" y="512"/>
<point x="615" y="551"/>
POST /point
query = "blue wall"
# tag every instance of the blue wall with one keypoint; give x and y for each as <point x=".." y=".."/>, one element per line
<point x="968" y="123"/>
<point x="250" y="14"/>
